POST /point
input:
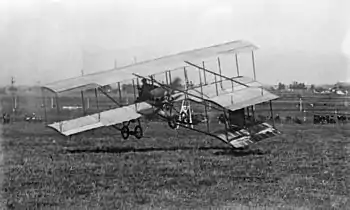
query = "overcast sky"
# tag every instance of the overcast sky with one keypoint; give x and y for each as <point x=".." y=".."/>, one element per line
<point x="48" y="40"/>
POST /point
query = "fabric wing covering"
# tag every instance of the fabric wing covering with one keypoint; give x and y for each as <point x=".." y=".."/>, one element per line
<point x="241" y="96"/>
<point x="98" y="120"/>
<point x="150" y="67"/>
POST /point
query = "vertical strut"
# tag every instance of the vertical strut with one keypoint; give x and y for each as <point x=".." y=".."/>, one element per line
<point x="253" y="114"/>
<point x="83" y="103"/>
<point x="44" y="104"/>
<point x="206" y="115"/>
<point x="253" y="59"/>
<point x="137" y="83"/>
<point x="273" y="119"/>
<point x="170" y="81"/>
<point x="186" y="79"/>
<point x="133" y="87"/>
<point x="237" y="66"/>
<point x="219" y="65"/>
<point x="152" y="78"/>
<point x="166" y="78"/>
<point x="58" y="111"/>
<point x="120" y="93"/>
<point x="226" y="125"/>
<point x="216" y="85"/>
<point x="200" y="81"/>
<point x="204" y="74"/>
<point x="97" y="105"/>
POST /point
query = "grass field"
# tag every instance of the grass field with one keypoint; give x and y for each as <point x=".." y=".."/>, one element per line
<point x="306" y="168"/>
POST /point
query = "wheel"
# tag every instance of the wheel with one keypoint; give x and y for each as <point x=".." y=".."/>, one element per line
<point x="138" y="132"/>
<point x="172" y="123"/>
<point x="125" y="132"/>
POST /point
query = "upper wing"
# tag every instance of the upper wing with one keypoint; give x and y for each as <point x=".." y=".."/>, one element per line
<point x="150" y="67"/>
<point x="106" y="118"/>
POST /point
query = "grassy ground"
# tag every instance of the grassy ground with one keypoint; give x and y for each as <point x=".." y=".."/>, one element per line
<point x="306" y="167"/>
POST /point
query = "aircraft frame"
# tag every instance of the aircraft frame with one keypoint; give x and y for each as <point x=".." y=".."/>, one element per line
<point x="221" y="100"/>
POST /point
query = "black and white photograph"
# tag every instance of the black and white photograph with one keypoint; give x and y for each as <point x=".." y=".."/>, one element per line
<point x="164" y="104"/>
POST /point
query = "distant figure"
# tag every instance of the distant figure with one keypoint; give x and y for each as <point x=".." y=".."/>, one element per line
<point x="5" y="118"/>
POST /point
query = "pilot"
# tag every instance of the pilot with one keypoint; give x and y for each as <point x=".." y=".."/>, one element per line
<point x="145" y="89"/>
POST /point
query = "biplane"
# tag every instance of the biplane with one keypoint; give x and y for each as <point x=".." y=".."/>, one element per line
<point x="196" y="90"/>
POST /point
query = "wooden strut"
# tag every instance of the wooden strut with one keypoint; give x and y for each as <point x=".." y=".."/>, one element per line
<point x="253" y="59"/>
<point x="133" y="87"/>
<point x="253" y="112"/>
<point x="83" y="103"/>
<point x="166" y="78"/>
<point x="216" y="86"/>
<point x="44" y="104"/>
<point x="273" y="119"/>
<point x="237" y="66"/>
<point x="58" y="112"/>
<point x="170" y="81"/>
<point x="97" y="105"/>
<point x="186" y="80"/>
<point x="204" y="74"/>
<point x="120" y="93"/>
<point x="205" y="103"/>
<point x="227" y="125"/>
<point x="219" y="65"/>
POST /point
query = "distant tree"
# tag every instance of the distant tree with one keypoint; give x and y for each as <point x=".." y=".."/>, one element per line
<point x="281" y="86"/>
<point x="312" y="87"/>
<point x="297" y="86"/>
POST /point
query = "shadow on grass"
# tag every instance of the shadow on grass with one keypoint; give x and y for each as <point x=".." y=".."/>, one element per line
<point x="224" y="150"/>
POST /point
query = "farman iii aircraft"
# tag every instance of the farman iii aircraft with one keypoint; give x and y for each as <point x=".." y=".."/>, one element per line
<point x="198" y="88"/>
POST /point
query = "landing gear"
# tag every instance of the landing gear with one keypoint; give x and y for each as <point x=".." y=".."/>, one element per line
<point x="138" y="132"/>
<point x="184" y="117"/>
<point x="126" y="132"/>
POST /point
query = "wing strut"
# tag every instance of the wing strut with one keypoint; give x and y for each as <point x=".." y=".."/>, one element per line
<point x="219" y="65"/>
<point x="237" y="65"/>
<point x="120" y="93"/>
<point x="83" y="102"/>
<point x="108" y="96"/>
<point x="253" y="60"/>
<point x="273" y="119"/>
<point x="44" y="104"/>
<point x="97" y="104"/>
<point x="204" y="69"/>
<point x="204" y="74"/>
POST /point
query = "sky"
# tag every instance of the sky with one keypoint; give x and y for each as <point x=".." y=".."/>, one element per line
<point x="47" y="40"/>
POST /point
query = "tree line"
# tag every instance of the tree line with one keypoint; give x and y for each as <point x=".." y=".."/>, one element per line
<point x="294" y="86"/>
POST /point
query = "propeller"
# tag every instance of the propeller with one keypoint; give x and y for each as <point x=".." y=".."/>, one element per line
<point x="174" y="85"/>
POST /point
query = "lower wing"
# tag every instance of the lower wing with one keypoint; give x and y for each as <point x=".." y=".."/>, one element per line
<point x="102" y="119"/>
